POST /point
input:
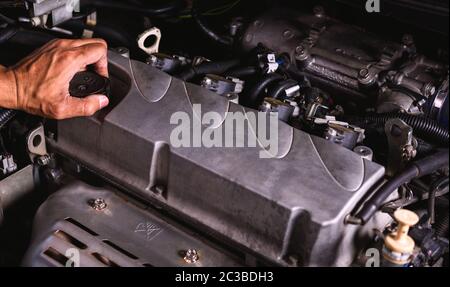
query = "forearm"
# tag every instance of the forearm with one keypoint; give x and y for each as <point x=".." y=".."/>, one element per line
<point x="8" y="94"/>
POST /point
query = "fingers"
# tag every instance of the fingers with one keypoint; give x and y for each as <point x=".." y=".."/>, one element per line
<point x="94" y="54"/>
<point x="66" y="44"/>
<point x="75" y="107"/>
<point x="80" y="53"/>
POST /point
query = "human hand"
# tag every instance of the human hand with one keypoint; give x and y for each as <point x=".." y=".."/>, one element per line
<point x="39" y="84"/>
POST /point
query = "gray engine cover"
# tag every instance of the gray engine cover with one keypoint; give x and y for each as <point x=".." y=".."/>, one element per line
<point x="279" y="208"/>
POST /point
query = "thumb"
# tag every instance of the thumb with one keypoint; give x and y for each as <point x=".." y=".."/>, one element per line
<point x="88" y="106"/>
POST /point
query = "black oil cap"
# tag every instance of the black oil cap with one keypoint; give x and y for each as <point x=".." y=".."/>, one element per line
<point x="89" y="83"/>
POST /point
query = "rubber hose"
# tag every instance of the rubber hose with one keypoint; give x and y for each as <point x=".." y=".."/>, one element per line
<point x="435" y="187"/>
<point x="254" y="97"/>
<point x="416" y="169"/>
<point x="6" y="19"/>
<point x="31" y="38"/>
<point x="7" y="33"/>
<point x="242" y="72"/>
<point x="227" y="41"/>
<point x="208" y="68"/>
<point x="424" y="128"/>
<point x="424" y="148"/>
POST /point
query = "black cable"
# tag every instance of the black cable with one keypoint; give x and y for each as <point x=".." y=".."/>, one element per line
<point x="435" y="187"/>
<point x="242" y="72"/>
<point x="416" y="169"/>
<point x="255" y="95"/>
<point x="227" y="41"/>
<point x="423" y="127"/>
<point x="6" y="19"/>
<point x="217" y="68"/>
<point x="7" y="33"/>
<point x="31" y="38"/>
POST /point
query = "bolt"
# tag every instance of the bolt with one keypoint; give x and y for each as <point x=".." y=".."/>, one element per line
<point x="288" y="34"/>
<point x="364" y="73"/>
<point x="191" y="256"/>
<point x="124" y="52"/>
<point x="300" y="50"/>
<point x="98" y="204"/>
<point x="408" y="152"/>
<point x="364" y="152"/>
<point x="43" y="160"/>
<point x="421" y="103"/>
<point x="429" y="90"/>
<point x="51" y="135"/>
<point x="236" y="26"/>
<point x="249" y="38"/>
<point x="319" y="11"/>
<point x="36" y="21"/>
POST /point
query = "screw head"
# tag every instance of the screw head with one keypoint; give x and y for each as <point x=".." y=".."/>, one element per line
<point x="300" y="50"/>
<point x="191" y="256"/>
<point x="288" y="34"/>
<point x="319" y="11"/>
<point x="408" y="152"/>
<point x="98" y="204"/>
<point x="364" y="73"/>
<point x="429" y="90"/>
<point x="43" y="160"/>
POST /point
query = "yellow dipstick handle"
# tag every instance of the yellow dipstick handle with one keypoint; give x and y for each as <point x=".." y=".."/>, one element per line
<point x="400" y="241"/>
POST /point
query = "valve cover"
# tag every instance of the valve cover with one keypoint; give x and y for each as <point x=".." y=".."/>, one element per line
<point x="289" y="206"/>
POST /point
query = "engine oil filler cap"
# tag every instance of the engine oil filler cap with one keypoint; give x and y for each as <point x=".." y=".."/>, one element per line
<point x="88" y="83"/>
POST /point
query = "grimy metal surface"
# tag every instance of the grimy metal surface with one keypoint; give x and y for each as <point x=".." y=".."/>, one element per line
<point x="343" y="58"/>
<point x="291" y="206"/>
<point x="120" y="234"/>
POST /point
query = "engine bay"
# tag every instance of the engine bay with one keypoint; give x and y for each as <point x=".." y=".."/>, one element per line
<point x="278" y="134"/>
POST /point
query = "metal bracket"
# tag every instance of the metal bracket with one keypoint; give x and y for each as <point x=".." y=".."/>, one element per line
<point x="36" y="143"/>
<point x="56" y="11"/>
<point x="150" y="33"/>
<point x="402" y="145"/>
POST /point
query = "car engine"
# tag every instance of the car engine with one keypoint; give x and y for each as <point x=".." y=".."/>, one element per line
<point x="356" y="98"/>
